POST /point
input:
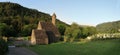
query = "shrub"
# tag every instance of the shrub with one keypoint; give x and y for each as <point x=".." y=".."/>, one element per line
<point x="3" y="47"/>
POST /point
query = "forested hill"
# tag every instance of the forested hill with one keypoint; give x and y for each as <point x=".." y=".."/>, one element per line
<point x="17" y="20"/>
<point x="109" y="27"/>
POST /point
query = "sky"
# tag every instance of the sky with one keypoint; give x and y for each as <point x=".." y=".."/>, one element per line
<point x="83" y="12"/>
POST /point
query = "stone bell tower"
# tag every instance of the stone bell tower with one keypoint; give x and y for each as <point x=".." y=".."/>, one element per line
<point x="54" y="18"/>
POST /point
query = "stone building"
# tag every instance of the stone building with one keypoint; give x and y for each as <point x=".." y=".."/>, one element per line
<point x="45" y="33"/>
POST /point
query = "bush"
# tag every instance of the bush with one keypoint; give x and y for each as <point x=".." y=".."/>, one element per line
<point x="3" y="47"/>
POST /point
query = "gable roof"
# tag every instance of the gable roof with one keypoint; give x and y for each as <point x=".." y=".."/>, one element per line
<point x="39" y="33"/>
<point x="48" y="26"/>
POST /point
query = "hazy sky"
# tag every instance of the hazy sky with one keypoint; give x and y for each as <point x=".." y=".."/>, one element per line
<point x="87" y="12"/>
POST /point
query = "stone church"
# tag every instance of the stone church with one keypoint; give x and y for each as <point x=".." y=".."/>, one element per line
<point x="45" y="33"/>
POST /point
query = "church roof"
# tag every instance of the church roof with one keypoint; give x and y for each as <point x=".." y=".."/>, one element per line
<point x="40" y="33"/>
<point x="48" y="26"/>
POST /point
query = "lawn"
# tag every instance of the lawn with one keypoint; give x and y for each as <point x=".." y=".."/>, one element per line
<point x="100" y="47"/>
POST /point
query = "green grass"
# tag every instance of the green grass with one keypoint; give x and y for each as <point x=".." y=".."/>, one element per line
<point x="100" y="47"/>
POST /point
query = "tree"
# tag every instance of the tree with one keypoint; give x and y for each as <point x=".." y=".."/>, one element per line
<point x="72" y="32"/>
<point x="87" y="31"/>
<point x="67" y="34"/>
<point x="27" y="29"/>
<point x="3" y="29"/>
<point x="75" y="32"/>
<point x="108" y="27"/>
<point x="20" y="19"/>
<point x="61" y="28"/>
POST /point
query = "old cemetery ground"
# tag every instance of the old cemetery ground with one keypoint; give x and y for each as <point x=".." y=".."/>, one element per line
<point x="96" y="47"/>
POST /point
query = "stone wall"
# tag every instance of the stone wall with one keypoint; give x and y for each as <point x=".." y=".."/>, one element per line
<point x="105" y="36"/>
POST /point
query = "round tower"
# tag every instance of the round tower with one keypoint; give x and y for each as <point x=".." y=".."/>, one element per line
<point x="54" y="18"/>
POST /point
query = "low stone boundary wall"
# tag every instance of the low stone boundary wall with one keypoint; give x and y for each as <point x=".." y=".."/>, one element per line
<point x="104" y="36"/>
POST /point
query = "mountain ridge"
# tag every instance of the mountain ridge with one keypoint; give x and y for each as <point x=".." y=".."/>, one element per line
<point x="21" y="19"/>
<point x="109" y="27"/>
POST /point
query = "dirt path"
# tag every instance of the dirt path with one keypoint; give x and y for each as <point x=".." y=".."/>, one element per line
<point x="20" y="51"/>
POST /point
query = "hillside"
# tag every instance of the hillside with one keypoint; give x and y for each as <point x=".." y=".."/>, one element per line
<point x="109" y="27"/>
<point x="19" y="20"/>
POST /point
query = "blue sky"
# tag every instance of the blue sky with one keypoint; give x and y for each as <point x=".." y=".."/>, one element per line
<point x="83" y="12"/>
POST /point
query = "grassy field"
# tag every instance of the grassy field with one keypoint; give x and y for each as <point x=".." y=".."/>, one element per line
<point x="100" y="47"/>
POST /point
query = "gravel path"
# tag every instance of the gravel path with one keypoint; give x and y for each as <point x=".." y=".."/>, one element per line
<point x="20" y="51"/>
